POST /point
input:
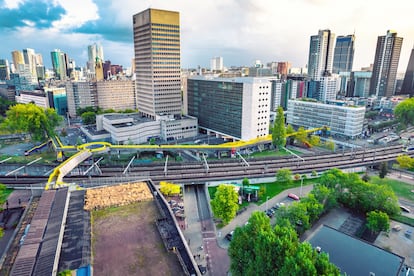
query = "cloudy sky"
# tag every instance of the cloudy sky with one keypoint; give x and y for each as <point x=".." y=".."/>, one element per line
<point x="241" y="31"/>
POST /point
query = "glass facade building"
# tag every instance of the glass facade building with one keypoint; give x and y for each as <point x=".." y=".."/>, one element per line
<point x="343" y="54"/>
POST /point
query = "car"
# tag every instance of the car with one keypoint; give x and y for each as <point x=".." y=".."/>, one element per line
<point x="269" y="213"/>
<point x="229" y="236"/>
<point x="293" y="196"/>
<point x="404" y="209"/>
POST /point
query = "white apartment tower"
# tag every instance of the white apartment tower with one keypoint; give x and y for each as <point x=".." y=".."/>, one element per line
<point x="216" y="64"/>
<point x="157" y="62"/>
<point x="321" y="54"/>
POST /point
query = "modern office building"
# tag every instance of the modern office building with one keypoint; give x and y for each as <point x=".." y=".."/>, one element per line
<point x="18" y="58"/>
<point x="387" y="56"/>
<point x="343" y="54"/>
<point x="408" y="83"/>
<point x="359" y="84"/>
<point x="38" y="97"/>
<point x="321" y="54"/>
<point x="238" y="108"/>
<point x="343" y="120"/>
<point x="57" y="99"/>
<point x="80" y="94"/>
<point x="216" y="64"/>
<point x="59" y="64"/>
<point x="4" y="69"/>
<point x="157" y="62"/>
<point x="116" y="94"/>
<point x="94" y="51"/>
<point x="29" y="56"/>
<point x="277" y="87"/>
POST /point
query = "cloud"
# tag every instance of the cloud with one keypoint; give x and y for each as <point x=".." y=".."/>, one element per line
<point x="36" y="14"/>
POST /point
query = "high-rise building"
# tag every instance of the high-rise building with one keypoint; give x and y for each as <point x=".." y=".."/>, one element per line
<point x="116" y="94"/>
<point x="80" y="95"/>
<point x="94" y="51"/>
<point x="17" y="58"/>
<point x="216" y="64"/>
<point x="59" y="64"/>
<point x="157" y="62"/>
<point x="283" y="68"/>
<point x="359" y="84"/>
<point x="30" y="59"/>
<point x="343" y="54"/>
<point x="321" y="54"/>
<point x="387" y="56"/>
<point x="408" y="83"/>
<point x="4" y="69"/>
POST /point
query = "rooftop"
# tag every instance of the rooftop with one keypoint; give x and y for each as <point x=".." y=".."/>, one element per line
<point x="354" y="256"/>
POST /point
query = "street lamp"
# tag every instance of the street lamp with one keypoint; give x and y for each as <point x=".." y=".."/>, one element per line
<point x="301" y="184"/>
<point x="267" y="198"/>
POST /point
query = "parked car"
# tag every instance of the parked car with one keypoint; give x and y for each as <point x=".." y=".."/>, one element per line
<point x="293" y="196"/>
<point x="404" y="209"/>
<point x="229" y="236"/>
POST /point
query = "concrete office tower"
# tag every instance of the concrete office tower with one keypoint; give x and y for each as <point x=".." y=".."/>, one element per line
<point x="408" y="83"/>
<point x="157" y="62"/>
<point x="343" y="54"/>
<point x="386" y="61"/>
<point x="80" y="95"/>
<point x="59" y="64"/>
<point x="17" y="58"/>
<point x="4" y="69"/>
<point x="321" y="54"/>
<point x="216" y="64"/>
<point x="358" y="85"/>
<point x="94" y="51"/>
<point x="30" y="59"/>
<point x="116" y="94"/>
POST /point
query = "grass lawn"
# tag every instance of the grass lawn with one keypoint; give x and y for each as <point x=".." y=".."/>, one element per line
<point x="403" y="219"/>
<point x="400" y="188"/>
<point x="266" y="153"/>
<point x="48" y="157"/>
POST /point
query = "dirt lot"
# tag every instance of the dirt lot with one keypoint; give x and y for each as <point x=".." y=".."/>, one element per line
<point x="125" y="241"/>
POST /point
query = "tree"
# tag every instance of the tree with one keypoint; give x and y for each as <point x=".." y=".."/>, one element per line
<point x="279" y="130"/>
<point x="169" y="189"/>
<point x="383" y="170"/>
<point x="284" y="176"/>
<point x="404" y="112"/>
<point x="290" y="139"/>
<point x="405" y="161"/>
<point x="315" y="140"/>
<point x="4" y="105"/>
<point x="88" y="117"/>
<point x="330" y="144"/>
<point x="224" y="204"/>
<point x="40" y="123"/>
<point x="378" y="221"/>
<point x="301" y="135"/>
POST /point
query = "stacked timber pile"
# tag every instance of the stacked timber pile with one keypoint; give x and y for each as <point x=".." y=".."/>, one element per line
<point x="119" y="195"/>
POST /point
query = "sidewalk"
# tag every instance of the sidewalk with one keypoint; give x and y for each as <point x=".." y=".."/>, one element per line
<point x="241" y="219"/>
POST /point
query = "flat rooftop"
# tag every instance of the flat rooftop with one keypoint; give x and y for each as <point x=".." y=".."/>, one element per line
<point x="354" y="256"/>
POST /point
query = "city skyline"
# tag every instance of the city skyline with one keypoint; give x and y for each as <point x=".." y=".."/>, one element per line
<point x="262" y="30"/>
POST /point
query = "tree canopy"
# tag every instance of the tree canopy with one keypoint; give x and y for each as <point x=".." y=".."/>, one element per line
<point x="257" y="249"/>
<point x="169" y="189"/>
<point x="405" y="161"/>
<point x="378" y="221"/>
<point x="224" y="204"/>
<point x="279" y="130"/>
<point x="40" y="123"/>
<point x="284" y="176"/>
<point x="404" y="112"/>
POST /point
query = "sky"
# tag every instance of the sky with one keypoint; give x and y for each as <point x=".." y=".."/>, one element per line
<point x="241" y="31"/>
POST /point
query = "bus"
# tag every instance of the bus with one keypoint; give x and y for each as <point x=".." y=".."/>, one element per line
<point x="409" y="148"/>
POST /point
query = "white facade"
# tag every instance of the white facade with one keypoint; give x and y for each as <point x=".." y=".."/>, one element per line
<point x="255" y="107"/>
<point x="216" y="64"/>
<point x="343" y="120"/>
<point x="40" y="99"/>
<point x="329" y="87"/>
<point x="321" y="54"/>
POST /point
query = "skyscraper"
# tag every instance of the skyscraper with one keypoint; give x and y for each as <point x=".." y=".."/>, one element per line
<point x="94" y="51"/>
<point x="59" y="64"/>
<point x="385" y="67"/>
<point x="30" y="59"/>
<point x="17" y="58"/>
<point x="408" y="83"/>
<point x="216" y="64"/>
<point x="4" y="69"/>
<point x="343" y="54"/>
<point x="321" y="54"/>
<point x="157" y="62"/>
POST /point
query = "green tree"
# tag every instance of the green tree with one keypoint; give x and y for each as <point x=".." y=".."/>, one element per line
<point x="404" y="112"/>
<point x="169" y="189"/>
<point x="289" y="138"/>
<point x="279" y="130"/>
<point x="405" y="161"/>
<point x="284" y="176"/>
<point x="330" y="144"/>
<point x="224" y="204"/>
<point x="301" y="135"/>
<point x="383" y="170"/>
<point x="378" y="221"/>
<point x="315" y="140"/>
<point x="4" y="105"/>
<point x="88" y="117"/>
<point x="40" y="123"/>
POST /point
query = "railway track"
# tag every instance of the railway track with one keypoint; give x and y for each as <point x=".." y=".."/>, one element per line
<point x="196" y="172"/>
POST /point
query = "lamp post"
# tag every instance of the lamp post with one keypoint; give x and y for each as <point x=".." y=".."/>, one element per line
<point x="301" y="184"/>
<point x="267" y="198"/>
